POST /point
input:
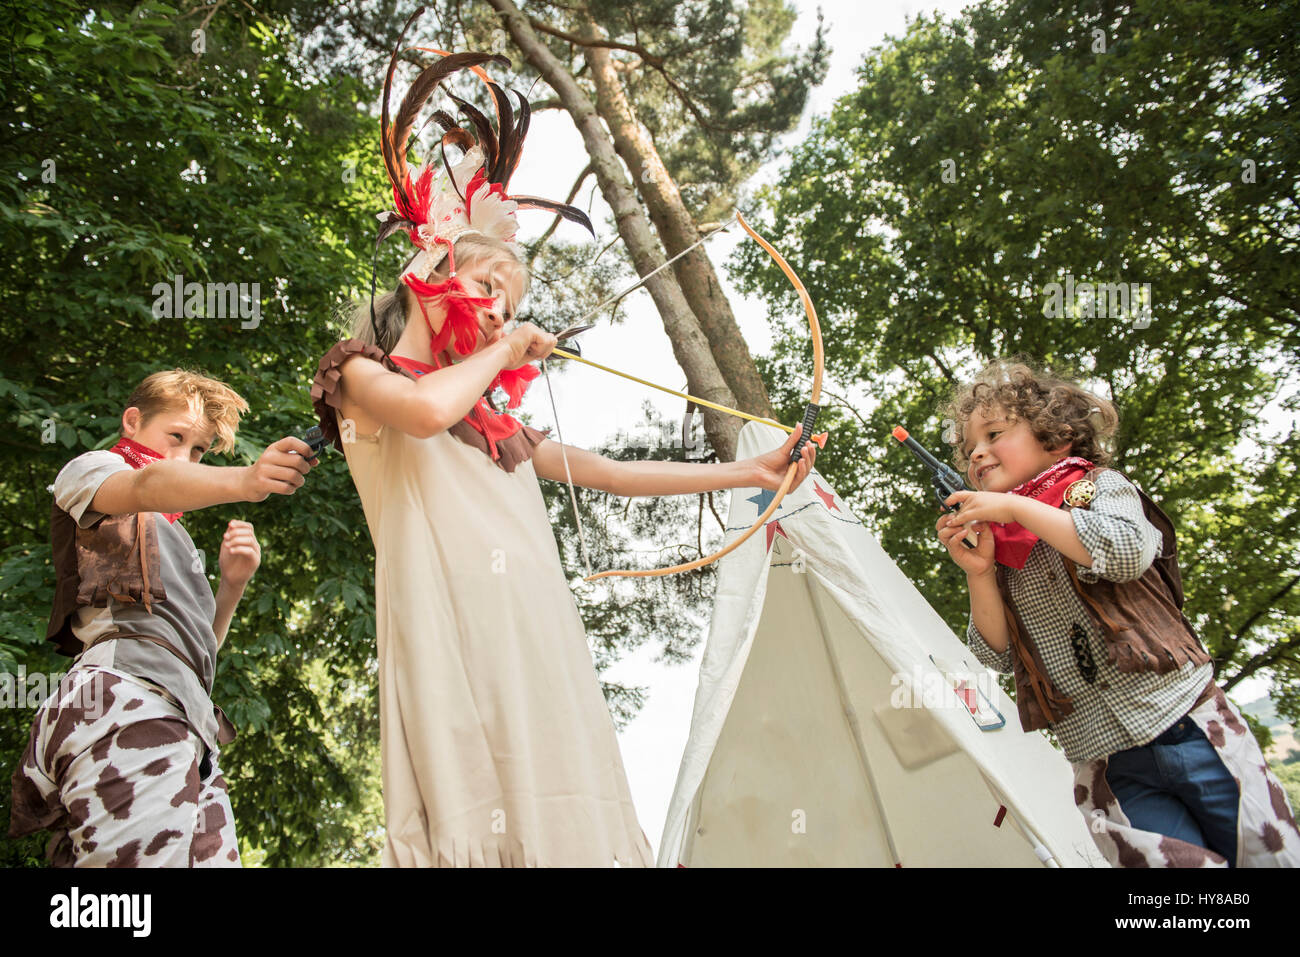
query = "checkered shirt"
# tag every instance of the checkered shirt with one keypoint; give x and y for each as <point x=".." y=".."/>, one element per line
<point x="1119" y="710"/>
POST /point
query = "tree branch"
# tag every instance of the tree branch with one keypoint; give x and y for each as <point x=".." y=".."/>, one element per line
<point x="1268" y="605"/>
<point x="1261" y="662"/>
<point x="655" y="62"/>
<point x="576" y="40"/>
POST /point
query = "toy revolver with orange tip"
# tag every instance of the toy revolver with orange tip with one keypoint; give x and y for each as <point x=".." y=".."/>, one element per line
<point x="946" y="479"/>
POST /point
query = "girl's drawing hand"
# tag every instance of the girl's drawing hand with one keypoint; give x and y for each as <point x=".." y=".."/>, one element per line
<point x="527" y="344"/>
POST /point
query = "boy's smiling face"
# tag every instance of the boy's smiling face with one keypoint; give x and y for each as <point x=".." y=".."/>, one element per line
<point x="181" y="433"/>
<point x="1004" y="453"/>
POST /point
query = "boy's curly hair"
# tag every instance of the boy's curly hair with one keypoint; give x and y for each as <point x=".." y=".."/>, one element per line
<point x="177" y="389"/>
<point x="1058" y="411"/>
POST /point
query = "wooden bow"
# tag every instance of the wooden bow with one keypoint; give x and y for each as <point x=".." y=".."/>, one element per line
<point x="810" y="416"/>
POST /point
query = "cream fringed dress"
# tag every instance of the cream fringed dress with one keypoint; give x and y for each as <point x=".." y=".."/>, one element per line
<point x="498" y="748"/>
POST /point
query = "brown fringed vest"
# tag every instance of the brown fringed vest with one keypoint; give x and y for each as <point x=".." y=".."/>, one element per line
<point x="1142" y="621"/>
<point x="117" y="558"/>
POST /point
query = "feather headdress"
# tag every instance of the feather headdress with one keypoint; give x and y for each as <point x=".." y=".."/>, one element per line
<point x="443" y="201"/>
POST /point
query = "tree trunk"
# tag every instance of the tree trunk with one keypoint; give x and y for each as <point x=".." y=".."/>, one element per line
<point x="690" y="345"/>
<point x="676" y="228"/>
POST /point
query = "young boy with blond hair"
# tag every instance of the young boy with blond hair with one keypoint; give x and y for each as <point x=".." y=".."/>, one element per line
<point x="121" y="766"/>
<point x="1075" y="590"/>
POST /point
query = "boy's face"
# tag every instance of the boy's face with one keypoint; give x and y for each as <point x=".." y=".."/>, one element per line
<point x="1004" y="454"/>
<point x="181" y="434"/>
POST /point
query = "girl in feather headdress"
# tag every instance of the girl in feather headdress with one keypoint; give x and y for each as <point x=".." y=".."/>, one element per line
<point x="498" y="748"/>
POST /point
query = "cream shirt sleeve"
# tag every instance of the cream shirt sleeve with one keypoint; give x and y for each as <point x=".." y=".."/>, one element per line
<point x="1115" y="531"/>
<point x="80" y="479"/>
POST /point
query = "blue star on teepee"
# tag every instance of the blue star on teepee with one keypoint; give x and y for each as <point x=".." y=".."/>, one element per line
<point x="763" y="499"/>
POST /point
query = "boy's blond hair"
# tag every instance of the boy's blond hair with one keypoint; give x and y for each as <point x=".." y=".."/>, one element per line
<point x="177" y="389"/>
<point x="1058" y="411"/>
<point x="392" y="309"/>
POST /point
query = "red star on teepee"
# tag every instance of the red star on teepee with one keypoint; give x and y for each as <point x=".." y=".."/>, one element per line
<point x="772" y="528"/>
<point x="827" y="497"/>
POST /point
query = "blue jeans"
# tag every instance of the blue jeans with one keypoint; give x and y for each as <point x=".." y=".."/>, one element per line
<point x="1177" y="785"/>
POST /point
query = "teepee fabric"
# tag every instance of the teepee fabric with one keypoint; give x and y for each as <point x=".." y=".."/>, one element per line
<point x="826" y="730"/>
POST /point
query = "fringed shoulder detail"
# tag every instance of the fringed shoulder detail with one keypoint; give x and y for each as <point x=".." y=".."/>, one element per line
<point x="513" y="449"/>
<point x="325" y="393"/>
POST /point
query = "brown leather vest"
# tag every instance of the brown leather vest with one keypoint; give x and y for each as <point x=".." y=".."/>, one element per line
<point x="116" y="558"/>
<point x="1141" y="620"/>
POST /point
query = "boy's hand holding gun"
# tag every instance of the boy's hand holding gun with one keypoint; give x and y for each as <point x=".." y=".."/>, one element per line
<point x="972" y="552"/>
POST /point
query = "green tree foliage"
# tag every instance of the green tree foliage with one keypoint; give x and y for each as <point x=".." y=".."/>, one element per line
<point x="136" y="154"/>
<point x="983" y="158"/>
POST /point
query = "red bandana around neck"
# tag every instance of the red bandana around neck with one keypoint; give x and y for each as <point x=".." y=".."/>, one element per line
<point x="138" y="456"/>
<point x="1012" y="542"/>
<point x="493" y="426"/>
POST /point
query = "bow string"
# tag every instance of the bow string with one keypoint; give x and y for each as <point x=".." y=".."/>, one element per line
<point x="806" y="427"/>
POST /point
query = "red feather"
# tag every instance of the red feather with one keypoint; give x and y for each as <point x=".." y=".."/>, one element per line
<point x="515" y="382"/>
<point x="461" y="320"/>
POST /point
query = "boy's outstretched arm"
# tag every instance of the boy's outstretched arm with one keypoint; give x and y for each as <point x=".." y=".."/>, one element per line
<point x="177" y="486"/>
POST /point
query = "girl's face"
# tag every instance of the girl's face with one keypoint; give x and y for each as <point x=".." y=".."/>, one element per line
<point x="503" y="283"/>
<point x="1004" y="453"/>
<point x="181" y="434"/>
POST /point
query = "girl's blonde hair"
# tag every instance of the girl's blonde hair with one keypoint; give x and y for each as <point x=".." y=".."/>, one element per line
<point x="1058" y="411"/>
<point x="393" y="309"/>
<point x="177" y="389"/>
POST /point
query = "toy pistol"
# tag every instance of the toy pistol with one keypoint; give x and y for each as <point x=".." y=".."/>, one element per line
<point x="315" y="439"/>
<point x="946" y="479"/>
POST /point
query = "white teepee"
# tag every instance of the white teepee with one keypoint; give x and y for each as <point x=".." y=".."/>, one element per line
<point x="826" y="731"/>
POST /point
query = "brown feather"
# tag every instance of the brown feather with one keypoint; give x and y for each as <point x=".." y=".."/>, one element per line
<point x="456" y="137"/>
<point x="505" y="130"/>
<point x="394" y="164"/>
<point x="427" y="81"/>
<point x="444" y="119"/>
<point x="571" y="213"/>
<point x="502" y="148"/>
<point x="392" y="225"/>
<point x="422" y="89"/>
<point x="486" y="136"/>
<point x="511" y="162"/>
